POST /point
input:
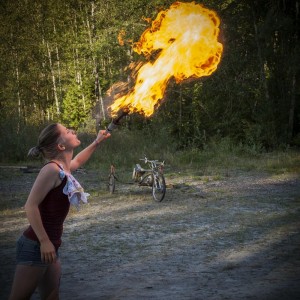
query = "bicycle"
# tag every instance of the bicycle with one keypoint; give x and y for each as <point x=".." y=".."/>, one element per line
<point x="152" y="177"/>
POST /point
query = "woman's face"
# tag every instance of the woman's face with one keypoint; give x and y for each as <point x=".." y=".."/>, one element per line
<point x="68" y="137"/>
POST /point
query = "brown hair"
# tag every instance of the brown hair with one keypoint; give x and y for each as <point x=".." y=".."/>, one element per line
<point x="47" y="142"/>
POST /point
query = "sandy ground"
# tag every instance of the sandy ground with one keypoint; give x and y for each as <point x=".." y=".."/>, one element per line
<point x="223" y="237"/>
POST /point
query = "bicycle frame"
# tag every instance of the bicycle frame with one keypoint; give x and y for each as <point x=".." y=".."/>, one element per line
<point x="152" y="177"/>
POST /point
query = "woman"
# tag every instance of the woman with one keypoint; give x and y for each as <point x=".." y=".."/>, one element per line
<point x="47" y="206"/>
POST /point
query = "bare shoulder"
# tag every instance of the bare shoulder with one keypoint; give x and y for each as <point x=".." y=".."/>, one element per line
<point x="50" y="169"/>
<point x="49" y="174"/>
<point x="47" y="179"/>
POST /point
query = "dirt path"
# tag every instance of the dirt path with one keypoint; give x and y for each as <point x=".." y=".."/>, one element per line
<point x="234" y="237"/>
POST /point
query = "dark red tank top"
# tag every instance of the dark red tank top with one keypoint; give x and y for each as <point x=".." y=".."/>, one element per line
<point x="54" y="210"/>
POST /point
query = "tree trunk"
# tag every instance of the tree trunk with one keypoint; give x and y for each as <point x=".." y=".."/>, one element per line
<point x="100" y="112"/>
<point x="293" y="87"/>
<point x="18" y="97"/>
<point x="53" y="80"/>
<point x="58" y="67"/>
<point x="292" y="110"/>
<point x="16" y="67"/>
<point x="260" y="58"/>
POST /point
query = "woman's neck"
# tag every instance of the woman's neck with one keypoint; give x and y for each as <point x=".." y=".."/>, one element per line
<point x="65" y="161"/>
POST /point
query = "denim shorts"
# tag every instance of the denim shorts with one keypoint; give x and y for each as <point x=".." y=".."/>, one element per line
<point x="29" y="253"/>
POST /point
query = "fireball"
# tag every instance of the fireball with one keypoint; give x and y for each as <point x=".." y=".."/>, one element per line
<point x="181" y="43"/>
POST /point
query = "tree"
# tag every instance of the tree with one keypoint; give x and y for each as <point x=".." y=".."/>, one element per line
<point x="58" y="58"/>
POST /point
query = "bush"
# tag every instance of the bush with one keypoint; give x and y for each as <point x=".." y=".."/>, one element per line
<point x="126" y="147"/>
<point x="16" y="140"/>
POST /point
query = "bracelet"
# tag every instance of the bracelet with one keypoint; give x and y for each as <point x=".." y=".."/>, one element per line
<point x="96" y="142"/>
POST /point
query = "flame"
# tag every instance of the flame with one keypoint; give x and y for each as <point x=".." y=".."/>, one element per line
<point x="184" y="41"/>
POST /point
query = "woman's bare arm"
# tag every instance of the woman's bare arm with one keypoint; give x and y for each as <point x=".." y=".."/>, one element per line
<point x="83" y="156"/>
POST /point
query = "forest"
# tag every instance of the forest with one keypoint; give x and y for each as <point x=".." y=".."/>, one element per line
<point x="58" y="59"/>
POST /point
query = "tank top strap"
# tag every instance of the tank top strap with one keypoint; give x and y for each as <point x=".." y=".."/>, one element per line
<point x="54" y="162"/>
<point x="61" y="171"/>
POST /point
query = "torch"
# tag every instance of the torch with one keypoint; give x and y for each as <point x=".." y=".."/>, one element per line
<point x="116" y="121"/>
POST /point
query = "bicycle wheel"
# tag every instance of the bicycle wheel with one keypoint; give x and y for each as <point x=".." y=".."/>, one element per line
<point x="158" y="187"/>
<point x="111" y="183"/>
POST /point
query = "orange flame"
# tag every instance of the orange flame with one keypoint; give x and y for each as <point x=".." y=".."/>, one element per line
<point x="184" y="41"/>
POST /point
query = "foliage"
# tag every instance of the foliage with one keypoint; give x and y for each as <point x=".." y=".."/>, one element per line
<point x="76" y="106"/>
<point x="58" y="58"/>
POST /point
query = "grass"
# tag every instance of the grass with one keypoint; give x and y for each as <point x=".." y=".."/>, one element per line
<point x="126" y="147"/>
<point x="218" y="160"/>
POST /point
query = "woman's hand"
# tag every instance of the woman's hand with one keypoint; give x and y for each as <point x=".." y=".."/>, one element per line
<point x="48" y="253"/>
<point x="102" y="135"/>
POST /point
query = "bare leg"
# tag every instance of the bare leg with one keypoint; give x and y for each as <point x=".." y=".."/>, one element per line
<point x="49" y="284"/>
<point x="25" y="282"/>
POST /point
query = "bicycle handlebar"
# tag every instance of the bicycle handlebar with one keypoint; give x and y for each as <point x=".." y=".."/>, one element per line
<point x="146" y="160"/>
